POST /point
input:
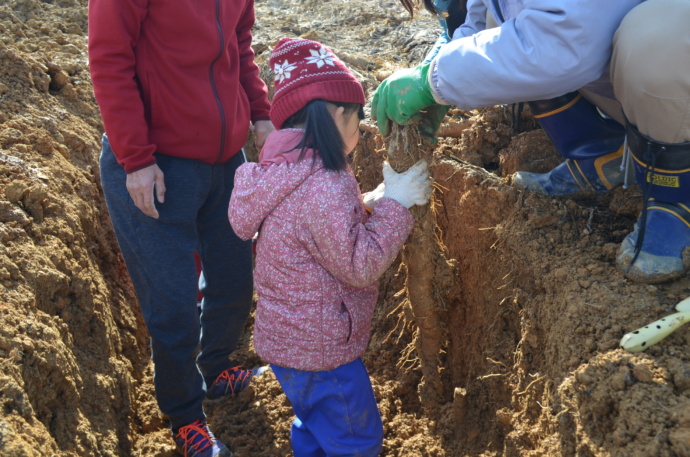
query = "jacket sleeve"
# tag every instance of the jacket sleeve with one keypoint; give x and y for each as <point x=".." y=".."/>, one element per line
<point x="475" y="20"/>
<point x="114" y="31"/>
<point x="355" y="253"/>
<point x="255" y="195"/>
<point x="253" y="85"/>
<point x="544" y="49"/>
<point x="243" y="213"/>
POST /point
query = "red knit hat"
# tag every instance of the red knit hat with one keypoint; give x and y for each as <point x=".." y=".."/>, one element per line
<point x="304" y="71"/>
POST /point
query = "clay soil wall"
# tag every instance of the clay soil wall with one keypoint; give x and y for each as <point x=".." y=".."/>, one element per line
<point x="532" y="309"/>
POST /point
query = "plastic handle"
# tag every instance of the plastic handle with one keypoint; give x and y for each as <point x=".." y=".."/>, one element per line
<point x="649" y="335"/>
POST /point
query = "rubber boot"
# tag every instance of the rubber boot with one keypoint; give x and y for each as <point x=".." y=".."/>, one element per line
<point x="591" y="145"/>
<point x="658" y="249"/>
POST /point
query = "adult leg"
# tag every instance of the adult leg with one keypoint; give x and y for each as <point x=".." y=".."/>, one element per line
<point x="591" y="144"/>
<point x="651" y="78"/>
<point x="336" y="411"/>
<point x="159" y="254"/>
<point x="226" y="283"/>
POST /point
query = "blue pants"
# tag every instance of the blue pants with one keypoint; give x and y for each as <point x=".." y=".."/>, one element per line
<point x="336" y="411"/>
<point x="159" y="254"/>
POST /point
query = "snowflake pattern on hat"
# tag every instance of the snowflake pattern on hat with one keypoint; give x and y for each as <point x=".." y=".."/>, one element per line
<point x="283" y="70"/>
<point x="321" y="57"/>
<point x="305" y="70"/>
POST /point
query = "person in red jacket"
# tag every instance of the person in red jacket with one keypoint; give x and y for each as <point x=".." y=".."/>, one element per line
<point x="178" y="87"/>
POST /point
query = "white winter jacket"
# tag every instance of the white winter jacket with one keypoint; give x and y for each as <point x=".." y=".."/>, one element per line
<point x="542" y="49"/>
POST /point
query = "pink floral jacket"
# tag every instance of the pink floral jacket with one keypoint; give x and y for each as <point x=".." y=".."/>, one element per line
<point x="318" y="256"/>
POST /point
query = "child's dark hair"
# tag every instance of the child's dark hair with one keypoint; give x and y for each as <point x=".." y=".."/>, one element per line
<point x="320" y="132"/>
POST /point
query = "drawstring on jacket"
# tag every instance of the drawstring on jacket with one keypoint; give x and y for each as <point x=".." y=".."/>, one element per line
<point x="626" y="162"/>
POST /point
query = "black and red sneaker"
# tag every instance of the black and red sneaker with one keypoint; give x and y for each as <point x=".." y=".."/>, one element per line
<point x="196" y="440"/>
<point x="232" y="381"/>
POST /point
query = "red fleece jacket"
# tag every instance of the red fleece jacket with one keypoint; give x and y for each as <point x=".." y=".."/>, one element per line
<point x="175" y="77"/>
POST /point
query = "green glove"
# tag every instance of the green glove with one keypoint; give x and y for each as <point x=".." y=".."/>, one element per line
<point x="401" y="96"/>
<point x="431" y="118"/>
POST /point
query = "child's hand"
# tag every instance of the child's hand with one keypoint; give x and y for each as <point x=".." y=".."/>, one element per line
<point x="370" y="198"/>
<point x="412" y="187"/>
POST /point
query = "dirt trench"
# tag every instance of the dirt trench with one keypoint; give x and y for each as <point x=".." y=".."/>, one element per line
<point x="531" y="318"/>
<point x="532" y="365"/>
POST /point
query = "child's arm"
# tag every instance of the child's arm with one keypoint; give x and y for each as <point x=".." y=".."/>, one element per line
<point x="353" y="252"/>
<point x="255" y="195"/>
<point x="243" y="217"/>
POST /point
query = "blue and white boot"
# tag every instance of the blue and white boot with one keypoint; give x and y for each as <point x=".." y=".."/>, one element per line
<point x="591" y="145"/>
<point x="658" y="249"/>
<point x="664" y="252"/>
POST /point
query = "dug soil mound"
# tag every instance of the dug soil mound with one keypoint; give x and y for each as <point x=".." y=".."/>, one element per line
<point x="528" y="306"/>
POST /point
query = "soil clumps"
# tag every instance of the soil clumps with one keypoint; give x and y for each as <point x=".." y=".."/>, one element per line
<point x="531" y="315"/>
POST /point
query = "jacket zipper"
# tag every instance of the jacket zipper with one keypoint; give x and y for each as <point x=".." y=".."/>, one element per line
<point x="223" y="126"/>
<point x="497" y="7"/>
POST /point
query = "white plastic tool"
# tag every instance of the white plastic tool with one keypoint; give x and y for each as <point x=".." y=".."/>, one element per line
<point x="649" y="335"/>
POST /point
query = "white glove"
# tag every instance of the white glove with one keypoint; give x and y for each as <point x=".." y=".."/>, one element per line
<point x="411" y="187"/>
<point x="370" y="198"/>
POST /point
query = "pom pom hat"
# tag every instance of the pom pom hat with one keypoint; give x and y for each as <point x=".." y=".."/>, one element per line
<point x="304" y="71"/>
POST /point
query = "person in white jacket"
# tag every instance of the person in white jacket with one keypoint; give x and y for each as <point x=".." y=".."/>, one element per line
<point x="597" y="76"/>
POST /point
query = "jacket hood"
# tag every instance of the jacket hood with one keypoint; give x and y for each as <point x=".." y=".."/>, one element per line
<point x="279" y="145"/>
<point x="261" y="187"/>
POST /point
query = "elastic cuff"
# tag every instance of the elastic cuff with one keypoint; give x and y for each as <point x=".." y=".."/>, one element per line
<point x="432" y="78"/>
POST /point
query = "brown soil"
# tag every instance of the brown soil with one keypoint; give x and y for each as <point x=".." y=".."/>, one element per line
<point x="531" y="320"/>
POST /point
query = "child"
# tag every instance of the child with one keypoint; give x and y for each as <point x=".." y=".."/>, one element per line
<point x="318" y="252"/>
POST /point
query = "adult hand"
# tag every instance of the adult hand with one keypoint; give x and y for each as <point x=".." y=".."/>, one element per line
<point x="431" y="118"/>
<point x="412" y="187"/>
<point x="261" y="131"/>
<point x="141" y="185"/>
<point x="401" y="96"/>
